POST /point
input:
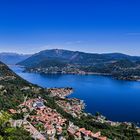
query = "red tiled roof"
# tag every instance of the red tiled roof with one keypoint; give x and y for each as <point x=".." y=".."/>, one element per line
<point x="102" y="138"/>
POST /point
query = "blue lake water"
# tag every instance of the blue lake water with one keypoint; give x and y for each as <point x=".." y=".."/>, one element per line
<point x="117" y="100"/>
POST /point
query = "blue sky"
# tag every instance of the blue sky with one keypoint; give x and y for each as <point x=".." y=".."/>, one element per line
<point x="28" y="26"/>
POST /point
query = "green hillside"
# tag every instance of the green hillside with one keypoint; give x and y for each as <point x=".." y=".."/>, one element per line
<point x="118" y="65"/>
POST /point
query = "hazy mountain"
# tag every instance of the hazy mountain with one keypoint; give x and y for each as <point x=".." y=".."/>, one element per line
<point x="73" y="57"/>
<point x="12" y="58"/>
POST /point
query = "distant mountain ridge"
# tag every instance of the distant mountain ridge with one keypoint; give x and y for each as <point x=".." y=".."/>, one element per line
<point x="74" y="57"/>
<point x="12" y="58"/>
<point x="120" y="66"/>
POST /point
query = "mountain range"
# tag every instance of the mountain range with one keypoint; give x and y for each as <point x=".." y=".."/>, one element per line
<point x="12" y="58"/>
<point x="120" y="66"/>
<point x="73" y="57"/>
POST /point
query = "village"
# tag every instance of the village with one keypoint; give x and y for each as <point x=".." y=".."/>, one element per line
<point x="69" y="69"/>
<point x="72" y="106"/>
<point x="60" y="92"/>
<point x="6" y="78"/>
<point x="45" y="123"/>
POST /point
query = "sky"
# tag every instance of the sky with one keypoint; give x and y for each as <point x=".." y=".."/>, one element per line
<point x="96" y="26"/>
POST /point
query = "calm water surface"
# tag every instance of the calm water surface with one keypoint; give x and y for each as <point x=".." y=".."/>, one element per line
<point x="117" y="100"/>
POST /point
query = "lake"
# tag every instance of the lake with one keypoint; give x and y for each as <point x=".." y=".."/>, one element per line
<point x="117" y="100"/>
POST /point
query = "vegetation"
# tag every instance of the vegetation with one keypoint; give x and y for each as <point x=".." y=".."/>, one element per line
<point x="11" y="133"/>
<point x="120" y="132"/>
<point x="120" y="66"/>
<point x="13" y="93"/>
<point x="74" y="57"/>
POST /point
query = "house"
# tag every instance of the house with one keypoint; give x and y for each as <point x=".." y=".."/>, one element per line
<point x="12" y="111"/>
<point x="39" y="104"/>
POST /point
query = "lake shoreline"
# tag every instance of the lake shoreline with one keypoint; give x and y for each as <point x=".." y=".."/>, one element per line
<point x="87" y="73"/>
<point x="99" y="87"/>
<point x="132" y="78"/>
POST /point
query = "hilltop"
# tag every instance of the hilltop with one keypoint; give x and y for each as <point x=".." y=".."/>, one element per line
<point x="73" y="57"/>
<point x="120" y="66"/>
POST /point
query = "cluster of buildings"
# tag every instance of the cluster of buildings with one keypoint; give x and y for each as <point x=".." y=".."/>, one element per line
<point x="69" y="69"/>
<point x="102" y="119"/>
<point x="46" y="123"/>
<point x="34" y="103"/>
<point x="28" y="127"/>
<point x="7" y="78"/>
<point x="72" y="106"/>
<point x="82" y="133"/>
<point x="52" y="123"/>
<point x="60" y="92"/>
